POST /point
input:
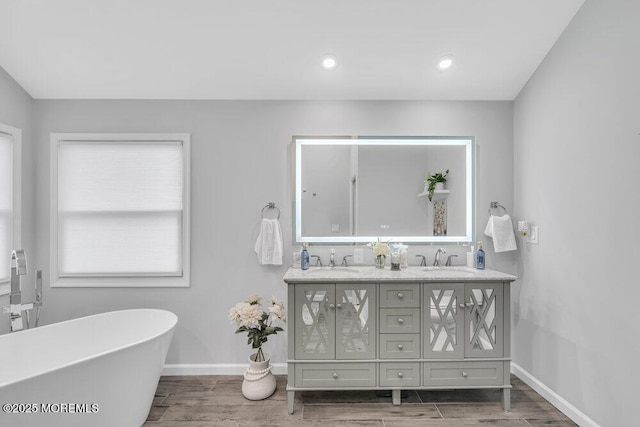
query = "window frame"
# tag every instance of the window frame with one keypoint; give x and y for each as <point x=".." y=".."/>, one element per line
<point x="15" y="134"/>
<point x="136" y="280"/>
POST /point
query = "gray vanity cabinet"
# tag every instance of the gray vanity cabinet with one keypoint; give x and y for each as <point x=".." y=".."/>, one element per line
<point x="443" y="320"/>
<point x="335" y="321"/>
<point x="484" y="319"/>
<point x="400" y="330"/>
<point x="314" y="321"/>
<point x="463" y="320"/>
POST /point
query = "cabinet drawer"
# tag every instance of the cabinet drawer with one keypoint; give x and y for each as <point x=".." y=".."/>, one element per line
<point x="400" y="295"/>
<point x="400" y="320"/>
<point x="335" y="375"/>
<point x="399" y="346"/>
<point x="400" y="374"/>
<point x="463" y="373"/>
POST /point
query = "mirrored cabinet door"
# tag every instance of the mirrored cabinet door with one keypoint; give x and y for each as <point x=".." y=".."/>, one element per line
<point x="443" y="320"/>
<point x="315" y="321"/>
<point x="355" y="321"/>
<point x="483" y="320"/>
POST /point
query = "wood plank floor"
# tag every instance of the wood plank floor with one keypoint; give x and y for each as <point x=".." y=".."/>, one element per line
<point x="198" y="401"/>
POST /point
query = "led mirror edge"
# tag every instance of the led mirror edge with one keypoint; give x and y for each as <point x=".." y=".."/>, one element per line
<point x="471" y="189"/>
<point x="298" y="141"/>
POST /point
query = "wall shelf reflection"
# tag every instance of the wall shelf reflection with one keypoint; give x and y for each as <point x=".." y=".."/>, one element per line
<point x="437" y="194"/>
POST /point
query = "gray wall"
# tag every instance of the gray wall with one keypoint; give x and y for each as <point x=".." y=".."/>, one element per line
<point x="16" y="108"/>
<point x="240" y="161"/>
<point x="576" y="175"/>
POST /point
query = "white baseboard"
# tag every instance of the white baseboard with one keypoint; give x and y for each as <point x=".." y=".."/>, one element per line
<point x="554" y="398"/>
<point x="217" y="369"/>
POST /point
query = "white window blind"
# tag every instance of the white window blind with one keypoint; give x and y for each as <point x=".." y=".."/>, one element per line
<point x="121" y="207"/>
<point x="6" y="205"/>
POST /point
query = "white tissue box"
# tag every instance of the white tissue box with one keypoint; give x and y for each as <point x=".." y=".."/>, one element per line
<point x="296" y="259"/>
<point x="471" y="259"/>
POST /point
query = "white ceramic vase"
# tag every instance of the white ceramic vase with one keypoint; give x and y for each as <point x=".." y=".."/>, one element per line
<point x="259" y="383"/>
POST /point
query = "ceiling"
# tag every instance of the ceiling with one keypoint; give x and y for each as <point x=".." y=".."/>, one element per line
<point x="271" y="49"/>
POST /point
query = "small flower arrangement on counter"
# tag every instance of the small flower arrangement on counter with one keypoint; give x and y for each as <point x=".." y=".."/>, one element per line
<point x="256" y="322"/>
<point x="381" y="251"/>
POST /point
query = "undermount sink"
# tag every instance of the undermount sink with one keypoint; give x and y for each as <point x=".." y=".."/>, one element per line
<point x="324" y="270"/>
<point x="452" y="269"/>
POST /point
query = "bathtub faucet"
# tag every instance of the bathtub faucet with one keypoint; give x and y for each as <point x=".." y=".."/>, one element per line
<point x="15" y="309"/>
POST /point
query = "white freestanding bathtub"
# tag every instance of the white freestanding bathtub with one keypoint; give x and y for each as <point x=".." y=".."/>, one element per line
<point x="100" y="370"/>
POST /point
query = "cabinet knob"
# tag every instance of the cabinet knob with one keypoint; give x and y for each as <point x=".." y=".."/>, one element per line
<point x="465" y="374"/>
<point x="465" y="305"/>
<point x="400" y="375"/>
<point x="335" y="375"/>
<point x="400" y="320"/>
<point x="331" y="306"/>
<point x="339" y="305"/>
<point x="400" y="295"/>
<point x="400" y="346"/>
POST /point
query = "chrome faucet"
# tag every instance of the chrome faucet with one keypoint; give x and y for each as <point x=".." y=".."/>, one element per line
<point x="436" y="261"/>
<point x="15" y="308"/>
<point x="448" y="264"/>
<point x="423" y="262"/>
<point x="332" y="261"/>
<point x="344" y="260"/>
<point x="318" y="260"/>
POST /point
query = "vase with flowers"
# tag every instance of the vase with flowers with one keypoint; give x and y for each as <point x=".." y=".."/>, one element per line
<point x="259" y="383"/>
<point x="381" y="251"/>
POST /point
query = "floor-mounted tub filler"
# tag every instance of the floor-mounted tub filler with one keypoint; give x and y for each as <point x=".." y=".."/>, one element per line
<point x="16" y="308"/>
<point x="100" y="370"/>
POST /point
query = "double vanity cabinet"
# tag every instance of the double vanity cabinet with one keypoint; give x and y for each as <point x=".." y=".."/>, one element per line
<point x="363" y="328"/>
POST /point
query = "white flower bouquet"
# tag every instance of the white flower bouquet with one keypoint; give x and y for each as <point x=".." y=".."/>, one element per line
<point x="256" y="322"/>
<point x="381" y="251"/>
<point x="380" y="248"/>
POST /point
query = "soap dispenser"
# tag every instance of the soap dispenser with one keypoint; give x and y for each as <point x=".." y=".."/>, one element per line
<point x="304" y="257"/>
<point x="480" y="257"/>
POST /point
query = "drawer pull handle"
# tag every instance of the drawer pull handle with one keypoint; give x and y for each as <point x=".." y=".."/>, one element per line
<point x="400" y="320"/>
<point x="465" y="305"/>
<point x="465" y="374"/>
<point x="400" y="346"/>
<point x="400" y="295"/>
<point x="335" y="375"/>
<point x="339" y="305"/>
<point x="400" y="375"/>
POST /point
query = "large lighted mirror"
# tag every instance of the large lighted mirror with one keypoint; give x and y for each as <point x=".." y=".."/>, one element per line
<point x="358" y="189"/>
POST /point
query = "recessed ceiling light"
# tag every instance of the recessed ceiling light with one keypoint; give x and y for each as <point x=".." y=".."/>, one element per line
<point x="329" y="61"/>
<point x="445" y="63"/>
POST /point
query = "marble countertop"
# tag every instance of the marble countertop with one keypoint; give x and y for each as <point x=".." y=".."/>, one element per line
<point x="363" y="273"/>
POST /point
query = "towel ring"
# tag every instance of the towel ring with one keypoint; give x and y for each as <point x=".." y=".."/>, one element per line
<point x="270" y="205"/>
<point x="496" y="205"/>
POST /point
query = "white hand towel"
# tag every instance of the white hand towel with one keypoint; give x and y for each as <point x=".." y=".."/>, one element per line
<point x="269" y="244"/>
<point x="500" y="229"/>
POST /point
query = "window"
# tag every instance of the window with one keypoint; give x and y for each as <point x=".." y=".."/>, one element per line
<point x="120" y="210"/>
<point x="10" y="155"/>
